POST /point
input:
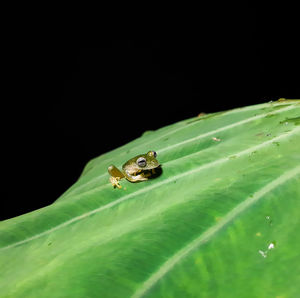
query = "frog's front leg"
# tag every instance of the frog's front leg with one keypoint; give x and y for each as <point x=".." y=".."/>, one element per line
<point x="134" y="178"/>
<point x="115" y="176"/>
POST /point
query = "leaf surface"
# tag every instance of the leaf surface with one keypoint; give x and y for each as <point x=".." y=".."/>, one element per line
<point x="222" y="220"/>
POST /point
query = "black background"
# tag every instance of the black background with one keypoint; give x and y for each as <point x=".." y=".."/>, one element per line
<point x="64" y="103"/>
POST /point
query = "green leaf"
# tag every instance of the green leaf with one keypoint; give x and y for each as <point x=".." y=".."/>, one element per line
<point x="222" y="220"/>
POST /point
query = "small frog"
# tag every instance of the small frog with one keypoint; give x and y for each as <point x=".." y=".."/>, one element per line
<point x="139" y="168"/>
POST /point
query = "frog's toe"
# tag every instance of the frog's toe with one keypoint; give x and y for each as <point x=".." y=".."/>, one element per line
<point x="115" y="182"/>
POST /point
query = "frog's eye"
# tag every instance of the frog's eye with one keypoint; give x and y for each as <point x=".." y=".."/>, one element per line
<point x="152" y="154"/>
<point x="141" y="161"/>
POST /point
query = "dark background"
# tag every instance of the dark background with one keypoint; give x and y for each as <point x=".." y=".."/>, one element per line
<point x="64" y="103"/>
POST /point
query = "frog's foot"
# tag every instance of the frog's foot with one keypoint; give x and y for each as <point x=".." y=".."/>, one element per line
<point x="146" y="174"/>
<point x="115" y="182"/>
<point x="143" y="175"/>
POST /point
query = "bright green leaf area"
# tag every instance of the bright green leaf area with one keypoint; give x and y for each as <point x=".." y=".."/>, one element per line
<point x="222" y="220"/>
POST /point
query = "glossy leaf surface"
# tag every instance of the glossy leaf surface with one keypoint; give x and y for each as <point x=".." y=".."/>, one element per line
<point x="222" y="220"/>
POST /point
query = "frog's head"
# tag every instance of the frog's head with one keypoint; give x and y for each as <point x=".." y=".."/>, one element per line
<point x="147" y="161"/>
<point x="142" y="167"/>
<point x="142" y="163"/>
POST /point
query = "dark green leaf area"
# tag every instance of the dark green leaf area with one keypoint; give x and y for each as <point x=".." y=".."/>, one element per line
<point x="241" y="260"/>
